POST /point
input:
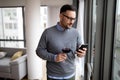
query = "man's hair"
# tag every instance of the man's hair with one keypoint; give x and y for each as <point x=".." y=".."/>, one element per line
<point x="66" y="7"/>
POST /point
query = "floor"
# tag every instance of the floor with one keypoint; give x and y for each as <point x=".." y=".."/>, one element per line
<point x="25" y="78"/>
<point x="44" y="78"/>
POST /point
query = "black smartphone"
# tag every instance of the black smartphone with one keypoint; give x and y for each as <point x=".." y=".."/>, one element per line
<point x="83" y="46"/>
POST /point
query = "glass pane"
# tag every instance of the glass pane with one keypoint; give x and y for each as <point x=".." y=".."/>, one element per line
<point x="13" y="44"/>
<point x="11" y="27"/>
<point x="93" y="32"/>
<point x="116" y="63"/>
<point x="43" y="16"/>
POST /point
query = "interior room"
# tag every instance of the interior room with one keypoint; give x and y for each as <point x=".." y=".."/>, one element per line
<point x="24" y="21"/>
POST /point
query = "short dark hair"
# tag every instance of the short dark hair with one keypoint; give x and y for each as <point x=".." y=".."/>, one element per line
<point x="66" y="7"/>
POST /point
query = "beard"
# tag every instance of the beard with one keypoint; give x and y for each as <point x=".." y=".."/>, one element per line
<point x="68" y="27"/>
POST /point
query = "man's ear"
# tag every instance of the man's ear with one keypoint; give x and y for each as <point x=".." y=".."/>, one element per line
<point x="60" y="15"/>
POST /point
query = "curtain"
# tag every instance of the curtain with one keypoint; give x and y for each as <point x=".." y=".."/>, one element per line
<point x="79" y="4"/>
<point x="76" y="4"/>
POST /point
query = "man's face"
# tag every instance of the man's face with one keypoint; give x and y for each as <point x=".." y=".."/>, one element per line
<point x="67" y="19"/>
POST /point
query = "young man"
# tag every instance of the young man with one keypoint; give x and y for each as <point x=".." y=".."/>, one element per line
<point x="61" y="65"/>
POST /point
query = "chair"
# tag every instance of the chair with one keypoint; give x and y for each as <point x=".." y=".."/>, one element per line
<point x="13" y="69"/>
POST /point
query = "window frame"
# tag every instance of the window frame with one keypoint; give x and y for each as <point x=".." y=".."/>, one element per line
<point x="105" y="22"/>
<point x="17" y="40"/>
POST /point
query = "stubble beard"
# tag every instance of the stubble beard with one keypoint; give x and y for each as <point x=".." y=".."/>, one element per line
<point x="68" y="26"/>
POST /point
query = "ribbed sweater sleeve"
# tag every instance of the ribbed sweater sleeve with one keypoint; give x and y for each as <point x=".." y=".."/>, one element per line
<point x="42" y="49"/>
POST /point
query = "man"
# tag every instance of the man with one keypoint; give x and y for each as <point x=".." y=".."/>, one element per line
<point x="61" y="65"/>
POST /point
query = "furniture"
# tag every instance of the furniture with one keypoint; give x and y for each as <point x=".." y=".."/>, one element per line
<point x="13" y="69"/>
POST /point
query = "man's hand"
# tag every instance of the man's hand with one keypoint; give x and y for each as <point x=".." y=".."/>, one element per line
<point x="61" y="57"/>
<point x="81" y="52"/>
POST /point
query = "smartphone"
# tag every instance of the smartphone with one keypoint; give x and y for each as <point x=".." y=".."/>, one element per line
<point x="83" y="46"/>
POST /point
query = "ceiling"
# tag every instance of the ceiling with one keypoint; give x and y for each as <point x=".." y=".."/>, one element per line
<point x="43" y="2"/>
<point x="55" y="2"/>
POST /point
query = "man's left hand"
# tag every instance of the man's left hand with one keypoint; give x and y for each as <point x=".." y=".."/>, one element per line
<point x="81" y="52"/>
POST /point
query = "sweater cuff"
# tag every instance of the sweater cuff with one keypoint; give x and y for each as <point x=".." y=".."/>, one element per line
<point x="55" y="57"/>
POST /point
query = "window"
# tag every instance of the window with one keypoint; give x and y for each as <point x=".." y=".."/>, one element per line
<point x="11" y="27"/>
<point x="93" y="32"/>
<point x="43" y="16"/>
<point x="116" y="59"/>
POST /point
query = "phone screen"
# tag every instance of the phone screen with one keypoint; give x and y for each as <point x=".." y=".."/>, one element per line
<point x="83" y="46"/>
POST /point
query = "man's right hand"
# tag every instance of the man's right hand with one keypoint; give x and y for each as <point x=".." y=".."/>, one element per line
<point x="61" y="57"/>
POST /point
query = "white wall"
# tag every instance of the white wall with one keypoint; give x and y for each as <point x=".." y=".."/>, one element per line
<point x="53" y="15"/>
